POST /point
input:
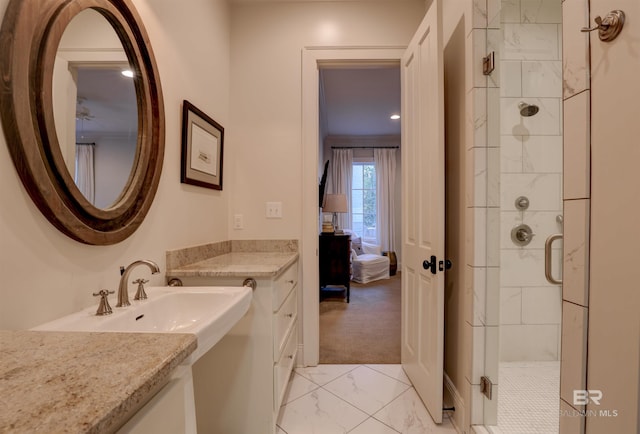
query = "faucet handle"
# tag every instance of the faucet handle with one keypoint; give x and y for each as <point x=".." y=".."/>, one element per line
<point x="103" y="308"/>
<point x="140" y="293"/>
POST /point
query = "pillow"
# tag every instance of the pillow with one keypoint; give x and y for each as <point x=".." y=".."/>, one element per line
<point x="373" y="249"/>
<point x="356" y="244"/>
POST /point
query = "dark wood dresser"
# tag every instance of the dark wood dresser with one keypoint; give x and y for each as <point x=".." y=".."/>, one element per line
<point x="335" y="261"/>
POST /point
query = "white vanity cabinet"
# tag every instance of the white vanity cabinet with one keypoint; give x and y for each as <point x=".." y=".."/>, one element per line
<point x="240" y="383"/>
<point x="170" y="411"/>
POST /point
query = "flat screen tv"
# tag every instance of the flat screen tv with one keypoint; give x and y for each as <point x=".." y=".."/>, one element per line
<point x="323" y="183"/>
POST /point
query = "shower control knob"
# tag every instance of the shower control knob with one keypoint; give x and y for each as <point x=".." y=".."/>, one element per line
<point x="522" y="203"/>
<point x="522" y="235"/>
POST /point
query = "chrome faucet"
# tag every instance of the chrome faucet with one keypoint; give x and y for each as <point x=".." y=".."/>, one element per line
<point x="123" y="289"/>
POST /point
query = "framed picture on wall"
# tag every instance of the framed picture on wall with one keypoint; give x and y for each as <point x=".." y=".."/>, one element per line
<point x="202" y="148"/>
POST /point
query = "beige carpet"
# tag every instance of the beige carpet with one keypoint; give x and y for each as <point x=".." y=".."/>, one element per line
<point x="366" y="330"/>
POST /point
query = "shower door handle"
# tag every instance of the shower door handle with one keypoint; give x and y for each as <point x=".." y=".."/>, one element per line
<point x="547" y="259"/>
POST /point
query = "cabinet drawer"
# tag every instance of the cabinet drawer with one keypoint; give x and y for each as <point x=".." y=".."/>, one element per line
<point x="283" y="320"/>
<point x="283" y="285"/>
<point x="282" y="369"/>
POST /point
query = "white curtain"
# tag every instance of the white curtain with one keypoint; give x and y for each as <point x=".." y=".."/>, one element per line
<point x="85" y="176"/>
<point x="341" y="172"/>
<point x="385" y="162"/>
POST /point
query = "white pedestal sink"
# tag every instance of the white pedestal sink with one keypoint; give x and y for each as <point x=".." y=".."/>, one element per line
<point x="207" y="312"/>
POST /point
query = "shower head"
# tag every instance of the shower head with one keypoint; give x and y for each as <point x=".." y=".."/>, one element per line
<point x="527" y="110"/>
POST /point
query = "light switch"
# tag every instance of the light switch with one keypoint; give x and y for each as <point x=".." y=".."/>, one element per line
<point x="274" y="210"/>
<point x="238" y="221"/>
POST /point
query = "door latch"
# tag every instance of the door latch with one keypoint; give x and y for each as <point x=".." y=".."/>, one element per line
<point x="445" y="265"/>
<point x="431" y="264"/>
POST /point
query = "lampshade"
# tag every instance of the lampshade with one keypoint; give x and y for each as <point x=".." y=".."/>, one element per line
<point x="335" y="203"/>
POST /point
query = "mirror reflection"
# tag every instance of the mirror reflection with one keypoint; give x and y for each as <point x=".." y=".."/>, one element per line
<point x="95" y="108"/>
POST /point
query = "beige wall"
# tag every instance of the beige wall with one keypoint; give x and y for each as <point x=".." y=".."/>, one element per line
<point x="267" y="42"/>
<point x="613" y="347"/>
<point x="44" y="273"/>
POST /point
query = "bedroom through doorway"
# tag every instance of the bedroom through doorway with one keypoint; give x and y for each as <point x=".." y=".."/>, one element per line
<point x="359" y="156"/>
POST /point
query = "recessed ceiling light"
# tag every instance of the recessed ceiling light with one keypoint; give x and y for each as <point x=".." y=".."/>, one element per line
<point x="395" y="117"/>
<point x="127" y="73"/>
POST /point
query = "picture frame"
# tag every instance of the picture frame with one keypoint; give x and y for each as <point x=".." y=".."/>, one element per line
<point x="202" y="148"/>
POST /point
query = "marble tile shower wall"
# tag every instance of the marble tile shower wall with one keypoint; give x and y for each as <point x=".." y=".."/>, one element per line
<point x="576" y="195"/>
<point x="530" y="161"/>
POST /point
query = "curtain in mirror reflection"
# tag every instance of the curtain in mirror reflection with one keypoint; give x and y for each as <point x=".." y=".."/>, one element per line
<point x="84" y="173"/>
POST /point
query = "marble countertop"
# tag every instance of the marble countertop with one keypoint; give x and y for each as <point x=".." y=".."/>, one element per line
<point x="72" y="382"/>
<point x="238" y="264"/>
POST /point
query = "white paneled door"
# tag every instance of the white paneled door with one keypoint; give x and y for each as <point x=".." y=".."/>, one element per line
<point x="423" y="211"/>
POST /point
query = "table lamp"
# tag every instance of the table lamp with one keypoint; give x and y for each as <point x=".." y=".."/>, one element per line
<point x="335" y="203"/>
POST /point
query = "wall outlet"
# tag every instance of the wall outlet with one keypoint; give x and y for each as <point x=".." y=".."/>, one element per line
<point x="238" y="221"/>
<point x="274" y="210"/>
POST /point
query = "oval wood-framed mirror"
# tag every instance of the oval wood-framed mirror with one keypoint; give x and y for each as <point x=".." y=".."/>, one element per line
<point x="29" y="38"/>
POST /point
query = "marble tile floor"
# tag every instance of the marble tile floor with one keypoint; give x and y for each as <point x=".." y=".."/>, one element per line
<point x="355" y="399"/>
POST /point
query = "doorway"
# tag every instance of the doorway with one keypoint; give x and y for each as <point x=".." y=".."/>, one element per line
<point x="360" y="132"/>
<point x="313" y="61"/>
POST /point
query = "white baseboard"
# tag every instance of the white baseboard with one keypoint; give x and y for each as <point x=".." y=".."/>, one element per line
<point x="299" y="363"/>
<point x="459" y="417"/>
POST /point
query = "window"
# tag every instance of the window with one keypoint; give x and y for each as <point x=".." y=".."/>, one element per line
<point x="363" y="201"/>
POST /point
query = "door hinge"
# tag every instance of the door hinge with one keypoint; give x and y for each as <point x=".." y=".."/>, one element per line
<point x="486" y="386"/>
<point x="489" y="63"/>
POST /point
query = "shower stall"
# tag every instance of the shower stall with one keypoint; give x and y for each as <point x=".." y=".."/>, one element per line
<point x="524" y="105"/>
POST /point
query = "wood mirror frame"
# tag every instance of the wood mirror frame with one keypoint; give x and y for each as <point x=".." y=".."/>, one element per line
<point x="29" y="38"/>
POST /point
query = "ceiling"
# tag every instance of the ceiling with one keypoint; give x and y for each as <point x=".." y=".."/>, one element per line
<point x="358" y="102"/>
<point x="107" y="103"/>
